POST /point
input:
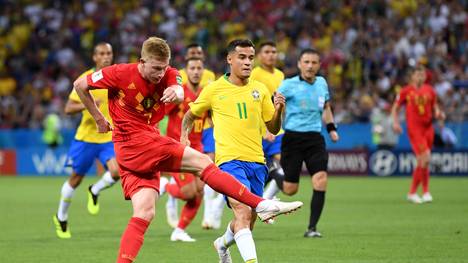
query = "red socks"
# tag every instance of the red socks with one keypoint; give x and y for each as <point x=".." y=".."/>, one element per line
<point x="420" y="175"/>
<point x="425" y="179"/>
<point x="416" y="180"/>
<point x="132" y="239"/>
<point x="174" y="191"/>
<point x="189" y="211"/>
<point x="226" y="184"/>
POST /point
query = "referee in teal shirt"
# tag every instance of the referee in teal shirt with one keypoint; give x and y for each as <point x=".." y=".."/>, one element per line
<point x="307" y="103"/>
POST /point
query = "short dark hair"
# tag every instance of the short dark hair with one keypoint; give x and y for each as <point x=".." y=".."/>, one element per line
<point x="266" y="43"/>
<point x="191" y="45"/>
<point x="193" y="59"/>
<point x="411" y="69"/>
<point x="308" y="51"/>
<point x="239" y="43"/>
<point x="102" y="43"/>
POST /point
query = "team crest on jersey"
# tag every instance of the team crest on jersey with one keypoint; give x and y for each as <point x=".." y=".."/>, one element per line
<point x="179" y="80"/>
<point x="148" y="103"/>
<point x="256" y="94"/>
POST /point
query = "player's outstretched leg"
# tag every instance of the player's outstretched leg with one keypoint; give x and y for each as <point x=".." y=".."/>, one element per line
<point x="108" y="179"/>
<point x="61" y="218"/>
<point x="200" y="164"/>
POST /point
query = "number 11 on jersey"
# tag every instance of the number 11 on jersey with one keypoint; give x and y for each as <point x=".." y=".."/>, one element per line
<point x="242" y="108"/>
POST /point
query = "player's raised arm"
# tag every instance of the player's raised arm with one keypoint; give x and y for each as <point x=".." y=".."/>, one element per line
<point x="329" y="120"/>
<point x="82" y="89"/>
<point x="274" y="125"/>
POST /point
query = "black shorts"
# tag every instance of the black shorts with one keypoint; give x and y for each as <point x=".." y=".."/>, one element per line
<point x="298" y="147"/>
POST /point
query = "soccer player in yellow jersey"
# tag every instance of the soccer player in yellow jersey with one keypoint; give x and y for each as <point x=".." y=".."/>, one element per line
<point x="240" y="108"/>
<point x="213" y="203"/>
<point x="87" y="146"/>
<point x="267" y="73"/>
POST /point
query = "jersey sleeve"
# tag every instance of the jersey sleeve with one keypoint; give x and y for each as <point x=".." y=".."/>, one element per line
<point x="326" y="91"/>
<point x="173" y="77"/>
<point x="268" y="109"/>
<point x="203" y="102"/>
<point x="105" y="78"/>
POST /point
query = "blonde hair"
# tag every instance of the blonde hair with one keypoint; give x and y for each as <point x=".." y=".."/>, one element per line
<point x="155" y="47"/>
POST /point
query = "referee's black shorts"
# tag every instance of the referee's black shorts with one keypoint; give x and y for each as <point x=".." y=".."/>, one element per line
<point x="298" y="147"/>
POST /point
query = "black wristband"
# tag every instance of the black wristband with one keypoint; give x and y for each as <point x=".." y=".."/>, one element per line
<point x="331" y="127"/>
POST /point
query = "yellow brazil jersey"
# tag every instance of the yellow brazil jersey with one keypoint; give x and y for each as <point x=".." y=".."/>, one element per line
<point x="207" y="77"/>
<point x="271" y="80"/>
<point x="87" y="131"/>
<point x="238" y="114"/>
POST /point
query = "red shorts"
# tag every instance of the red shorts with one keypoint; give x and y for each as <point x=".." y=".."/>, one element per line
<point x="421" y="138"/>
<point x="141" y="160"/>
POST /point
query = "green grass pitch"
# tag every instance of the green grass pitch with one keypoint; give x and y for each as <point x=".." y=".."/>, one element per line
<point x="364" y="220"/>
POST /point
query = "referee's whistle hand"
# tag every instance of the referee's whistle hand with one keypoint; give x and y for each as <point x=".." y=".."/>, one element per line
<point x="334" y="136"/>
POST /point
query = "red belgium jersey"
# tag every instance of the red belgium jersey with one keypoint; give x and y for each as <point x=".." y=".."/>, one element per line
<point x="176" y="114"/>
<point x="419" y="104"/>
<point x="134" y="103"/>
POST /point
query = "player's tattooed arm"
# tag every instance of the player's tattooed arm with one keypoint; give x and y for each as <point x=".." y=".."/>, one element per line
<point x="82" y="89"/>
<point x="187" y="126"/>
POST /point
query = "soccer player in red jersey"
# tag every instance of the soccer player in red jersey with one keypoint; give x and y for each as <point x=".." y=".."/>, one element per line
<point x="421" y="106"/>
<point x="186" y="187"/>
<point x="137" y="95"/>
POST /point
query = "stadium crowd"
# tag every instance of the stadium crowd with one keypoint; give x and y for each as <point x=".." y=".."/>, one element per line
<point x="365" y="45"/>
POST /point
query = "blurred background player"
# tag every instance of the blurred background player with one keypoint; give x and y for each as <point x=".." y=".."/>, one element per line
<point x="213" y="202"/>
<point x="186" y="186"/>
<point x="267" y="73"/>
<point x="194" y="50"/>
<point x="307" y="103"/>
<point x="240" y="107"/>
<point x="421" y="105"/>
<point x="88" y="146"/>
